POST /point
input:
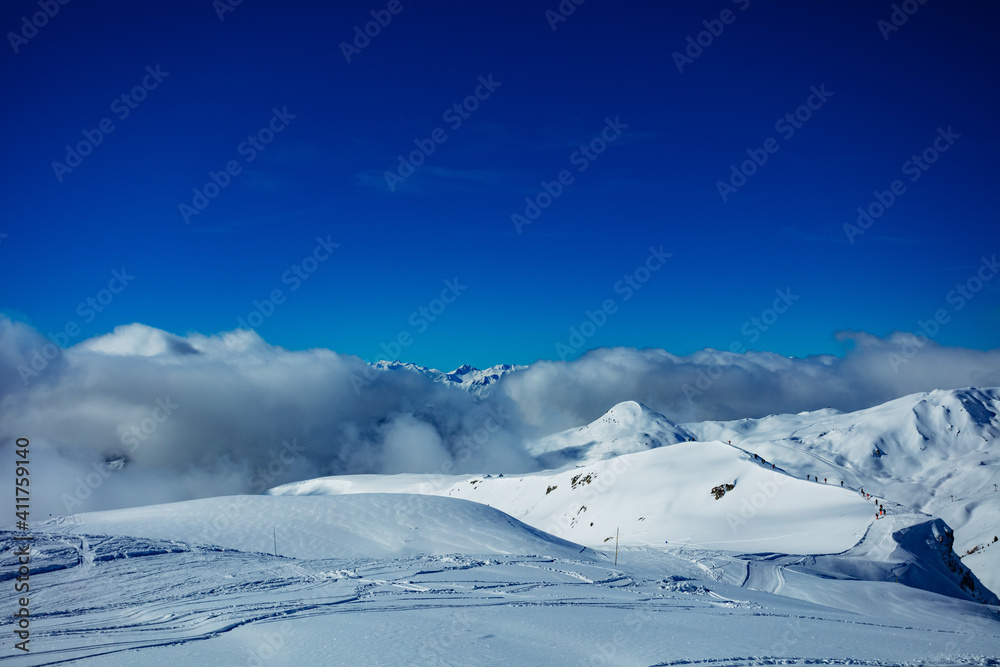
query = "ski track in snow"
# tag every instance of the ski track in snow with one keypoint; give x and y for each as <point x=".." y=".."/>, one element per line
<point x="845" y="589"/>
<point x="110" y="600"/>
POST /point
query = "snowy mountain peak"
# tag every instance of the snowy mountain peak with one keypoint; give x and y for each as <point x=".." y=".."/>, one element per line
<point x="630" y="413"/>
<point x="626" y="428"/>
<point x="477" y="382"/>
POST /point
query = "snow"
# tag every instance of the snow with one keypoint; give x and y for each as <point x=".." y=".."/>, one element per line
<point x="102" y="594"/>
<point x="626" y="428"/>
<point x="311" y="527"/>
<point x="935" y="452"/>
<point x="487" y="569"/>
<point x="653" y="497"/>
<point x="478" y="383"/>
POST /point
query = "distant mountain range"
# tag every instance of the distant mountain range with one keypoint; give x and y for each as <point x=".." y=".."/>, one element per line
<point x="477" y="382"/>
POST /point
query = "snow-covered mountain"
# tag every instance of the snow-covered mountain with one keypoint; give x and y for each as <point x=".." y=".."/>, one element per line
<point x="915" y="454"/>
<point x="624" y="429"/>
<point x="936" y="452"/>
<point x="751" y="538"/>
<point x="709" y="496"/>
<point x="477" y="382"/>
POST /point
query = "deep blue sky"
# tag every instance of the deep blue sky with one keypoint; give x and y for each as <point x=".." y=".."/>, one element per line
<point x="656" y="184"/>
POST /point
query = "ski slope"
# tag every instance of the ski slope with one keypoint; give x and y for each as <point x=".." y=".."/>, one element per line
<point x="376" y="525"/>
<point x="728" y="553"/>
<point x="936" y="452"/>
<point x="663" y="497"/>
<point x="144" y="586"/>
<point x="653" y="497"/>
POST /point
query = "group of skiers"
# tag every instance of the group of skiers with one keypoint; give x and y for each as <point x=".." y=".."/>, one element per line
<point x="881" y="510"/>
<point x="758" y="458"/>
<point x="808" y="477"/>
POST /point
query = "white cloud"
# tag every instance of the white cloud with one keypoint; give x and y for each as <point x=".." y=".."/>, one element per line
<point x="209" y="415"/>
<point x="710" y="384"/>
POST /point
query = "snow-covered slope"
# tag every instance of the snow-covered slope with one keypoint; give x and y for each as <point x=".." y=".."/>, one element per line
<point x="477" y="382"/>
<point x="936" y="452"/>
<point x="624" y="429"/>
<point x="355" y="526"/>
<point x="652" y="497"/>
<point x="665" y="496"/>
<point x="727" y="554"/>
<point x="120" y="600"/>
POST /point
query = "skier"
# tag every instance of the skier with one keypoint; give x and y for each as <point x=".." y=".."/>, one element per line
<point x="824" y="479"/>
<point x="841" y="482"/>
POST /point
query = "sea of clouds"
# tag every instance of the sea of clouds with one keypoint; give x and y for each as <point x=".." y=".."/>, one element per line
<point x="141" y="416"/>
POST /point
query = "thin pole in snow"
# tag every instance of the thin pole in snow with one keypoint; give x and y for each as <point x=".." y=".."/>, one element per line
<point x="274" y="535"/>
<point x="616" y="547"/>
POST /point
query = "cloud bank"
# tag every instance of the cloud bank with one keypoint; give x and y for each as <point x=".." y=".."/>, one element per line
<point x="141" y="416"/>
<point x="714" y="385"/>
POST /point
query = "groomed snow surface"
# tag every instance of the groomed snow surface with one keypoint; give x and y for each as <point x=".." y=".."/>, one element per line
<point x="398" y="579"/>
